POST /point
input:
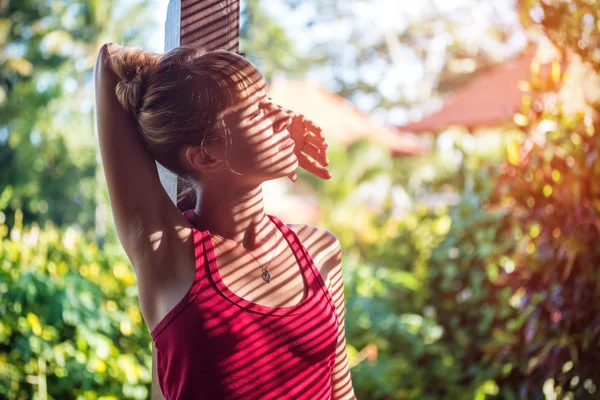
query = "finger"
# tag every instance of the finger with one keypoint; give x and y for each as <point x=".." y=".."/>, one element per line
<point x="314" y="128"/>
<point x="293" y="177"/>
<point x="323" y="148"/>
<point x="316" y="153"/>
<point x="312" y="167"/>
<point x="322" y="145"/>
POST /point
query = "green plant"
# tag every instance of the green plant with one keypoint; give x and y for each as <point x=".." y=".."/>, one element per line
<point x="71" y="326"/>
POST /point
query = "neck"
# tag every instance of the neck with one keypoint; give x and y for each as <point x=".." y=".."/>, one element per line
<point x="235" y="214"/>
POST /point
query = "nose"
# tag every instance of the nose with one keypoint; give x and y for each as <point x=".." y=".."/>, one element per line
<point x="282" y="119"/>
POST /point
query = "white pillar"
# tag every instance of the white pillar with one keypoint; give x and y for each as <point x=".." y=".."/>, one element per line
<point x="172" y="39"/>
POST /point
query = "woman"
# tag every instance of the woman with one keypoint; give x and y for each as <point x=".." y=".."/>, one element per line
<point x="239" y="305"/>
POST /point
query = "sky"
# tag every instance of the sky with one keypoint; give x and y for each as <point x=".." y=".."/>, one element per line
<point x="157" y="40"/>
<point x="379" y="17"/>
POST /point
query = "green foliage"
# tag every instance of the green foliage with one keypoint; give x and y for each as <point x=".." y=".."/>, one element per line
<point x="550" y="185"/>
<point x="71" y="326"/>
<point x="37" y="51"/>
<point x="422" y="289"/>
<point x="359" y="163"/>
<point x="47" y="144"/>
<point x="461" y="306"/>
<point x="554" y="199"/>
<point x="266" y="43"/>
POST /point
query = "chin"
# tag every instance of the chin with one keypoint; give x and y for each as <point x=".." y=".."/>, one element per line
<point x="291" y="166"/>
<point x="294" y="163"/>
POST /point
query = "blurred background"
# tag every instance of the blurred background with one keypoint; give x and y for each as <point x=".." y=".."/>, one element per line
<point x="465" y="192"/>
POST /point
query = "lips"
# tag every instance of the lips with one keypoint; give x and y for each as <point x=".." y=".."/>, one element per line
<point x="286" y="144"/>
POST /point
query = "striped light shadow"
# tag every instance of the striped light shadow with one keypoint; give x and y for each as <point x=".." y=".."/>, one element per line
<point x="244" y="332"/>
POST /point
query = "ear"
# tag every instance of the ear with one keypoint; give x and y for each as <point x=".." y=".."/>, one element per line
<point x="201" y="159"/>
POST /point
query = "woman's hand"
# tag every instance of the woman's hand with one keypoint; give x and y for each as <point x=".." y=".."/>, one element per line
<point x="310" y="147"/>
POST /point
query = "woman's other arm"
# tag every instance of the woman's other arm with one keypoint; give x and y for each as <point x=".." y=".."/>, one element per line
<point x="340" y="377"/>
<point x="326" y="252"/>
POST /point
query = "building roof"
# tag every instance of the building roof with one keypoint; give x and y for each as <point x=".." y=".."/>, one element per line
<point x="489" y="99"/>
<point x="340" y="119"/>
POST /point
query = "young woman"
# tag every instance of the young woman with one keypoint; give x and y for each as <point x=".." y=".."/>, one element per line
<point x="239" y="304"/>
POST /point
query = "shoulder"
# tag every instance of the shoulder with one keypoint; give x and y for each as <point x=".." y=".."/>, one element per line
<point x="321" y="241"/>
<point x="323" y="247"/>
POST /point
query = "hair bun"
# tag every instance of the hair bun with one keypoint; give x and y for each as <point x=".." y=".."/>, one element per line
<point x="132" y="66"/>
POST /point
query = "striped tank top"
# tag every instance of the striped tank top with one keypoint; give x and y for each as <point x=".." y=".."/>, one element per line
<point x="216" y="345"/>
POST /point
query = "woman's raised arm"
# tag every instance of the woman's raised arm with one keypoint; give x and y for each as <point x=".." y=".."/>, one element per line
<point x="140" y="205"/>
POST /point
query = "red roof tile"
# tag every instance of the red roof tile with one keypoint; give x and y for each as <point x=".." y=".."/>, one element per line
<point x="489" y="99"/>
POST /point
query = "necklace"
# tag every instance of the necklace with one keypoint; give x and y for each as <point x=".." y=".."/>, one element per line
<point x="266" y="275"/>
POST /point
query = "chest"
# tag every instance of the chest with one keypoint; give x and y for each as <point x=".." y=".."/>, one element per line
<point x="235" y="314"/>
<point x="244" y="275"/>
<point x="240" y="274"/>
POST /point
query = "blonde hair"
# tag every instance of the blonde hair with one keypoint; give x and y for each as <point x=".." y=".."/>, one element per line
<point x="179" y="98"/>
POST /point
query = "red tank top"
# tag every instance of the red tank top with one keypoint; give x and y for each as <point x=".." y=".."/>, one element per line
<point x="216" y="345"/>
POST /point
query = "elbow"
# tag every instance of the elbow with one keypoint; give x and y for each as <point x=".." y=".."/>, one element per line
<point x="104" y="54"/>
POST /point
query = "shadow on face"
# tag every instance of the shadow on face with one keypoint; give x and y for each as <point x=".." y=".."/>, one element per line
<point x="251" y="143"/>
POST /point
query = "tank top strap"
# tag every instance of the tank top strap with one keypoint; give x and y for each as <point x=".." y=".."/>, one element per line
<point x="292" y="239"/>
<point x="202" y="244"/>
<point x="315" y="280"/>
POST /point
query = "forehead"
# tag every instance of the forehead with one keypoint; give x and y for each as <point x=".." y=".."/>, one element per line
<point x="246" y="97"/>
<point x="250" y="90"/>
<point x="242" y="109"/>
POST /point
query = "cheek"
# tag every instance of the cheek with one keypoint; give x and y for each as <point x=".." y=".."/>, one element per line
<point x="257" y="149"/>
<point x="259" y="143"/>
<point x="252" y="154"/>
<point x="275" y="161"/>
<point x="265" y="158"/>
<point x="265" y="154"/>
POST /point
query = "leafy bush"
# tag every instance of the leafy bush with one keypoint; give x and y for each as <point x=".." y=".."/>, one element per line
<point x="421" y="289"/>
<point x="553" y="194"/>
<point x="494" y="298"/>
<point x="71" y="326"/>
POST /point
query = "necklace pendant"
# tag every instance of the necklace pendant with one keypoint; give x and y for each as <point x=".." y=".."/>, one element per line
<point x="266" y="275"/>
